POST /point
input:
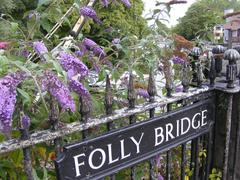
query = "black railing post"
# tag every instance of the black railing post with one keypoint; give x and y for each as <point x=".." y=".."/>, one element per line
<point x="132" y="118"/>
<point x="109" y="107"/>
<point x="54" y="120"/>
<point x="109" y="101"/>
<point x="212" y="72"/>
<point x="186" y="76"/>
<point x="232" y="56"/>
<point x="85" y="114"/>
<point x="199" y="75"/>
<point x="195" y="53"/>
<point x="169" y="88"/>
<point x="152" y="93"/>
<point x="236" y="163"/>
<point x="186" y="79"/>
<point x="24" y="130"/>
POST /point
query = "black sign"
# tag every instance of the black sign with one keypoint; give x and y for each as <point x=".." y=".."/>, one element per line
<point x="102" y="156"/>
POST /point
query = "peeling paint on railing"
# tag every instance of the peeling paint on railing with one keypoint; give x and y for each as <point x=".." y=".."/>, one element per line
<point x="47" y="135"/>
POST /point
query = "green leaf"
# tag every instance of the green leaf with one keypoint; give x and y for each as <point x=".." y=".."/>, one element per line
<point x="14" y="26"/>
<point x="57" y="66"/>
<point x="156" y="11"/>
<point x="2" y="174"/>
<point x="35" y="176"/>
<point x="25" y="95"/>
<point x="45" y="174"/>
<point x="46" y="24"/>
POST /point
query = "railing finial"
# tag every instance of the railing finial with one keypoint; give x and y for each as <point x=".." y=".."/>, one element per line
<point x="232" y="56"/>
<point x="218" y="55"/>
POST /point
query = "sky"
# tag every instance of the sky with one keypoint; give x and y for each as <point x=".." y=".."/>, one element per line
<point x="176" y="12"/>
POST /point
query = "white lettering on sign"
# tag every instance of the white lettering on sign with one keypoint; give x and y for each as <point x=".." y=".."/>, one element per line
<point x="169" y="128"/>
<point x="204" y="116"/>
<point x="110" y="155"/>
<point x="137" y="143"/>
<point x="182" y="125"/>
<point x="77" y="164"/>
<point x="127" y="147"/>
<point x="102" y="158"/>
<point x="193" y="121"/>
<point x="123" y="156"/>
<point x="158" y="133"/>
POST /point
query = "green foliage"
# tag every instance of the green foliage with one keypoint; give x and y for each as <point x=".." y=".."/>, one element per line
<point x="202" y="16"/>
<point x="6" y="6"/>
<point x="118" y="21"/>
<point x="215" y="175"/>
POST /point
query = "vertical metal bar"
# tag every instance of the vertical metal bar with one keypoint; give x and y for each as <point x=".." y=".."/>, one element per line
<point x="185" y="82"/>
<point x="212" y="72"/>
<point x="202" y="162"/>
<point x="109" y="102"/>
<point x="209" y="154"/>
<point x="193" y="153"/>
<point x="132" y="118"/>
<point x="237" y="146"/>
<point x="196" y="164"/>
<point x="228" y="134"/>
<point x="169" y="88"/>
<point x="199" y="74"/>
<point x="53" y="117"/>
<point x="24" y="130"/>
<point x="152" y="93"/>
<point x="27" y="163"/>
<point x="109" y="107"/>
<point x="184" y="146"/>
<point x="186" y="76"/>
<point x="169" y="153"/>
<point x="85" y="113"/>
<point x="183" y="161"/>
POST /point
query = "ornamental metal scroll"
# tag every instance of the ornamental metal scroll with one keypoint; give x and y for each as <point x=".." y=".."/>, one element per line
<point x="111" y="152"/>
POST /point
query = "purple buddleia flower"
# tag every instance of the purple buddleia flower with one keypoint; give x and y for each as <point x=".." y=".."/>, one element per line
<point x="58" y="90"/>
<point x="159" y="176"/>
<point x="158" y="161"/>
<point x="40" y="48"/>
<point x="142" y="92"/>
<point x="25" y="121"/>
<point x="8" y="85"/>
<point x="78" y="87"/>
<point x="88" y="11"/>
<point x="126" y="3"/>
<point x="25" y="53"/>
<point x="94" y="63"/>
<point x="98" y="51"/>
<point x="89" y="44"/>
<point x="79" y="53"/>
<point x="179" y="89"/>
<point x="73" y="65"/>
<point x="177" y="60"/>
<point x="105" y="3"/>
<point x="116" y="41"/>
<point x="31" y="15"/>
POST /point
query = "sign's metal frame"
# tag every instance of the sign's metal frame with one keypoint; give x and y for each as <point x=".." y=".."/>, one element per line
<point x="64" y="165"/>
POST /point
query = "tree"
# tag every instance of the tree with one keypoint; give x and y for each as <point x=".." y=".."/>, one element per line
<point x="202" y="16"/>
<point x="120" y="20"/>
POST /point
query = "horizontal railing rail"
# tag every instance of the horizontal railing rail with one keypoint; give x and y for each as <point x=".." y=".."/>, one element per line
<point x="48" y="135"/>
